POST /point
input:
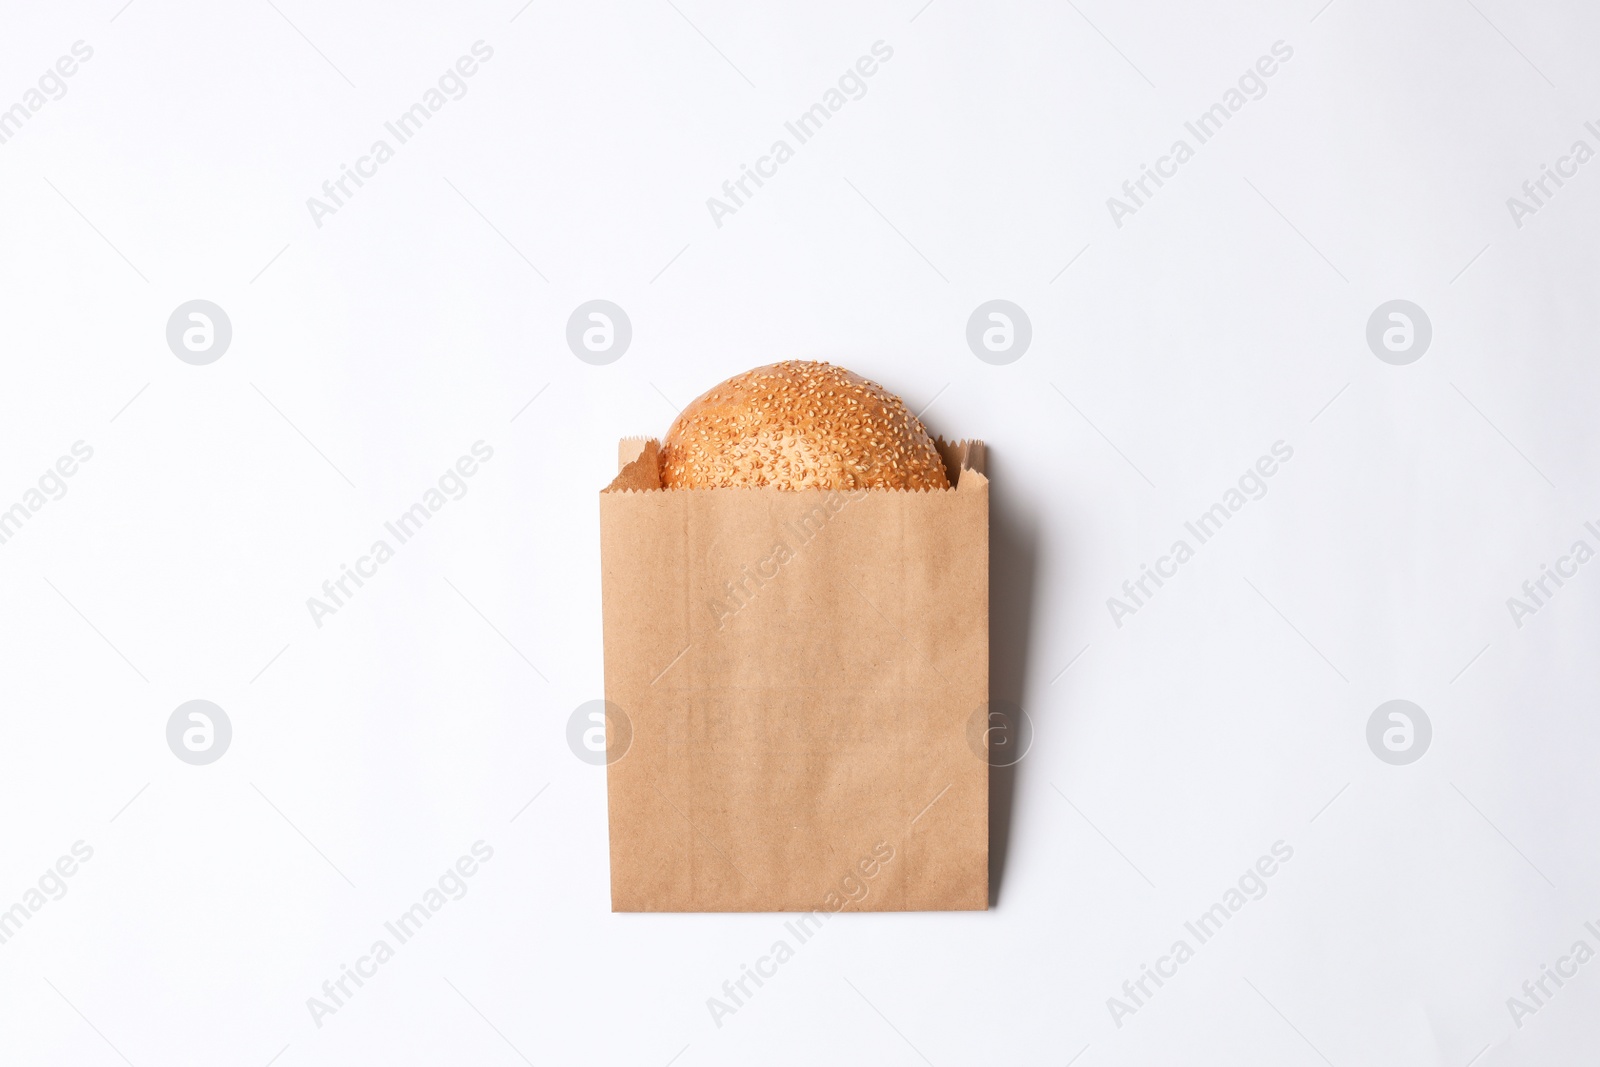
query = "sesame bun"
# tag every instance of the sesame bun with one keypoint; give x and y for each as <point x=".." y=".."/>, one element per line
<point x="800" y="425"/>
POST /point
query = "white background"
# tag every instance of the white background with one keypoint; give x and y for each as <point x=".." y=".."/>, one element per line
<point x="368" y="354"/>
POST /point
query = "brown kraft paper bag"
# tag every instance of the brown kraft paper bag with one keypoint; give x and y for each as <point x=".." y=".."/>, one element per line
<point x="802" y="678"/>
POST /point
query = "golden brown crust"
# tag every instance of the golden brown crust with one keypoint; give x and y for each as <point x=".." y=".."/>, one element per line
<point x="800" y="425"/>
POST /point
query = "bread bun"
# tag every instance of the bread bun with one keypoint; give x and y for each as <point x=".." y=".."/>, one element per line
<point x="800" y="425"/>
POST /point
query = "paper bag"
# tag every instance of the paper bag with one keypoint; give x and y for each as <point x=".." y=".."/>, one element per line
<point x="797" y="685"/>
